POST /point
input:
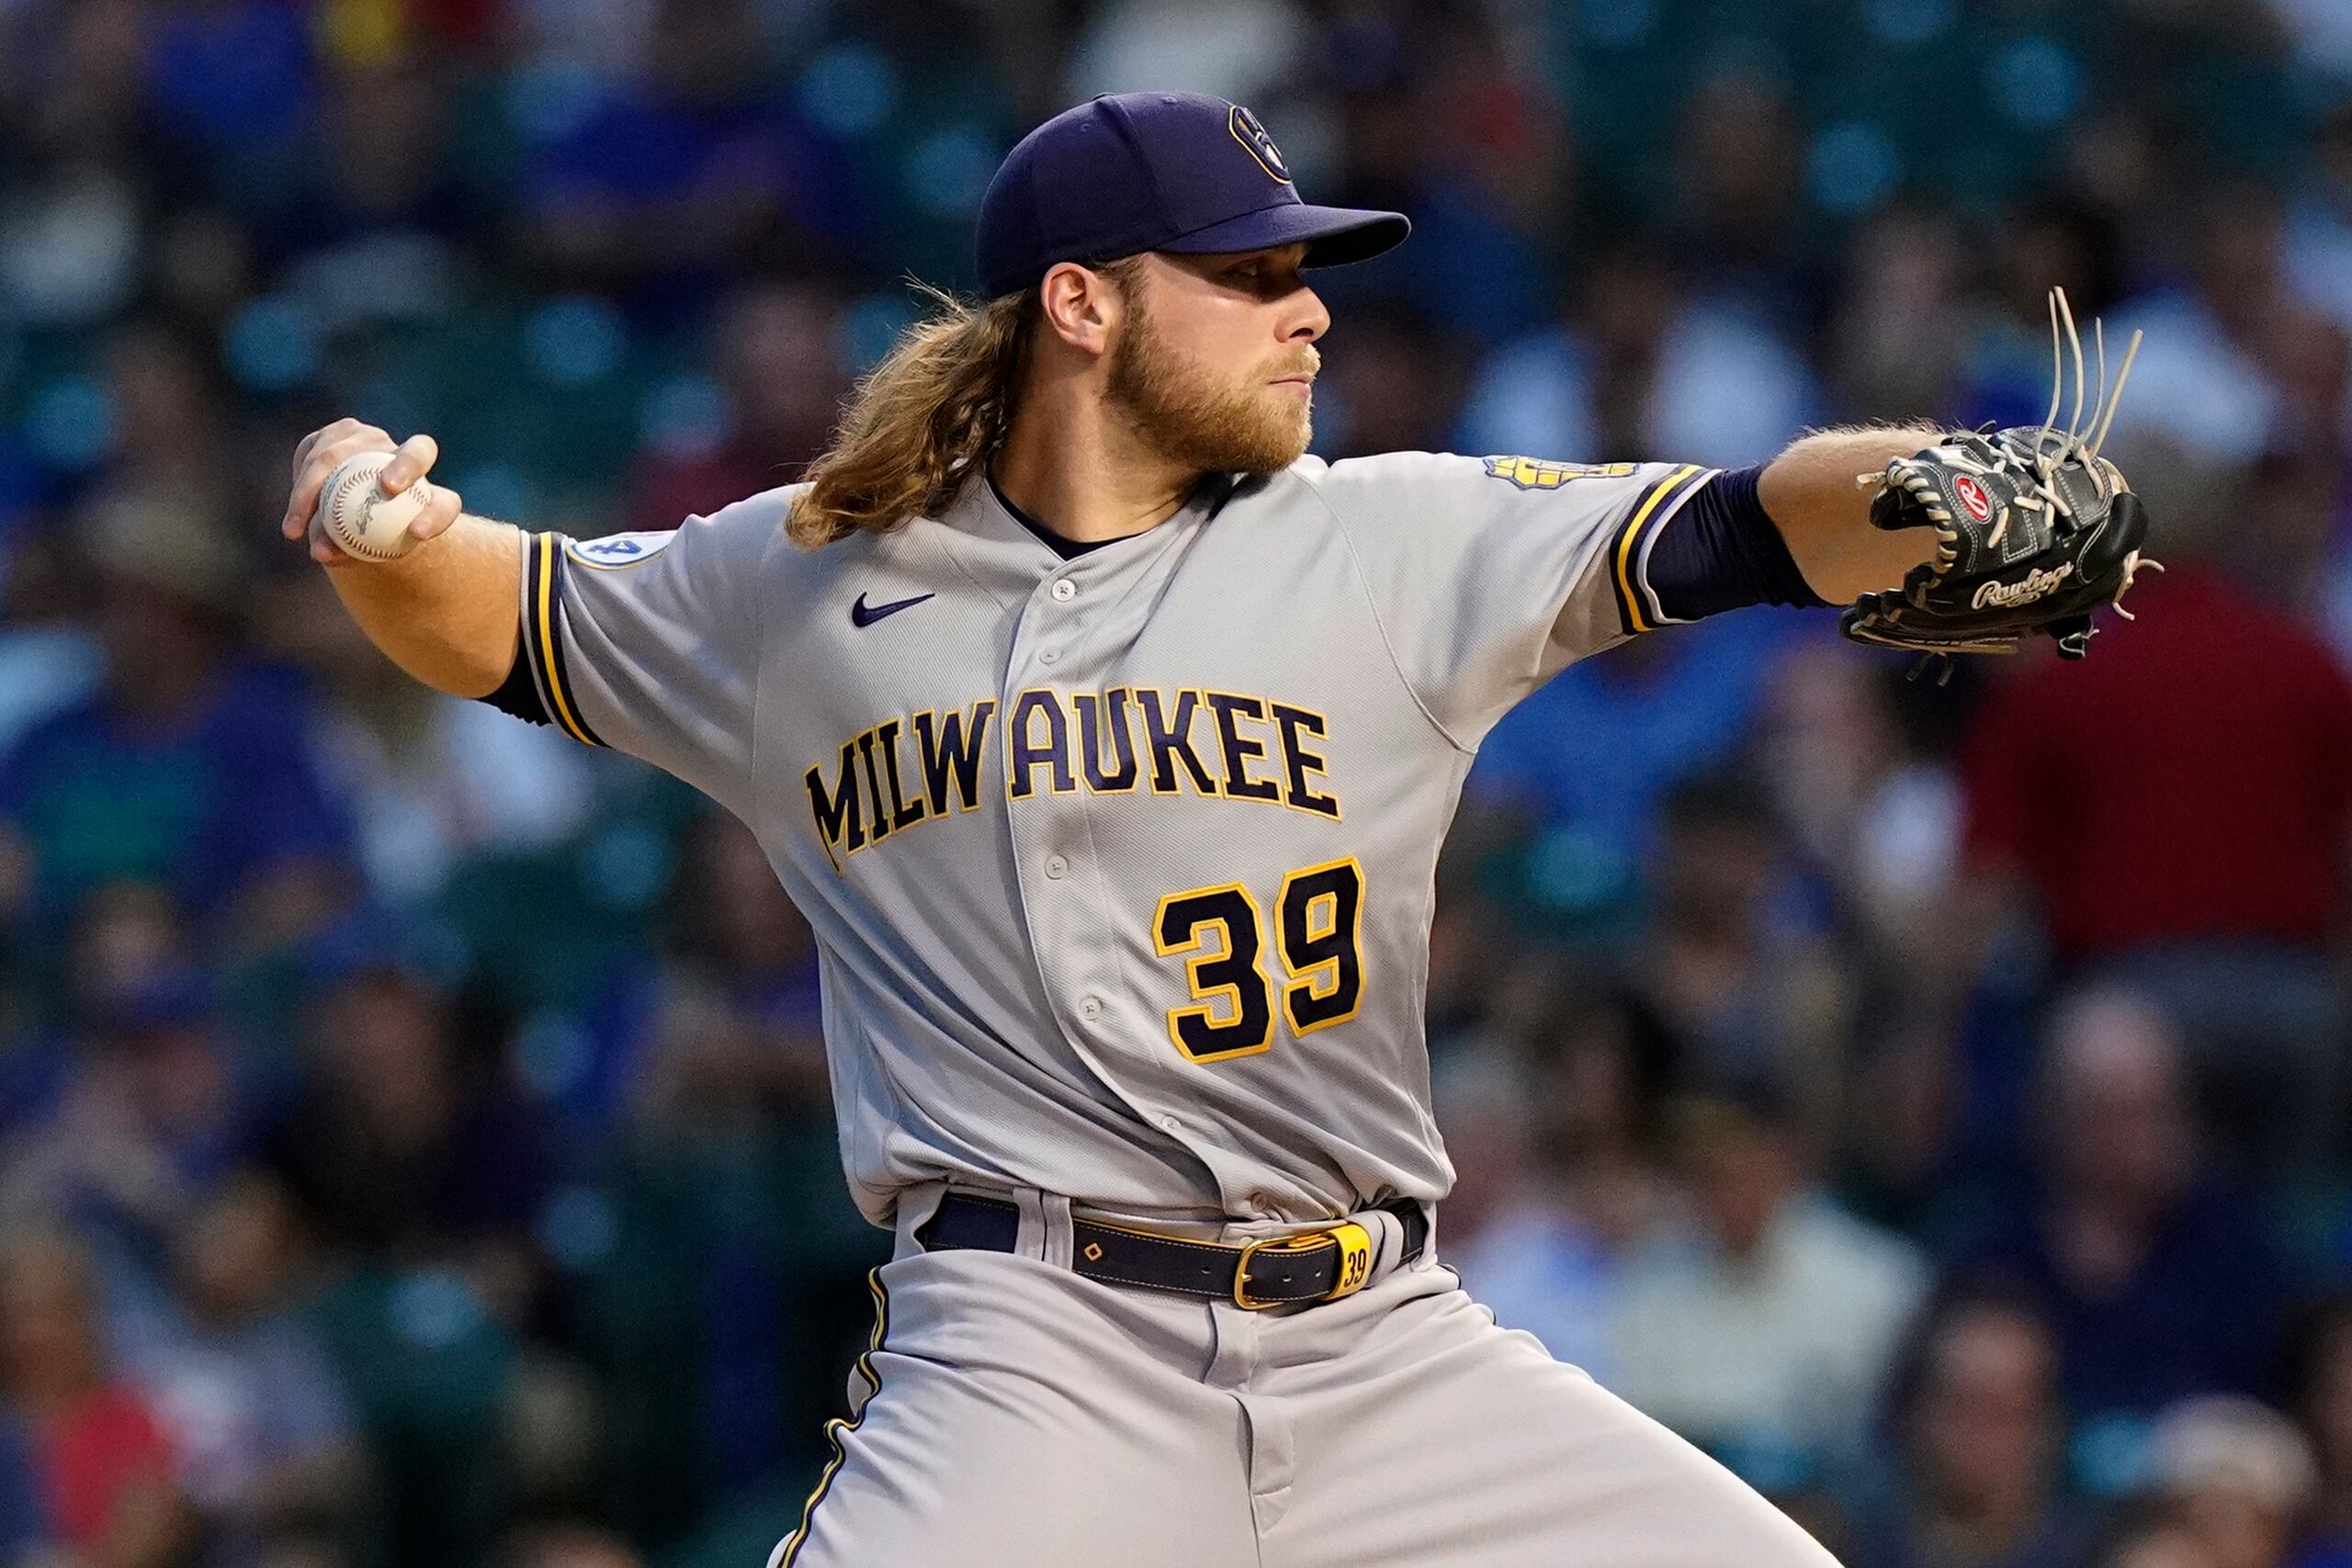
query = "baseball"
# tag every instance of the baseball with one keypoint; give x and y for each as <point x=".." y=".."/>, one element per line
<point x="361" y="519"/>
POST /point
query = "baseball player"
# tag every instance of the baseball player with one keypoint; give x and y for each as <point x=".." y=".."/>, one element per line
<point x="1107" y="742"/>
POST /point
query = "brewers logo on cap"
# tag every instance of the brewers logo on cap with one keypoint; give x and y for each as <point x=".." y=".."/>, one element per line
<point x="1261" y="146"/>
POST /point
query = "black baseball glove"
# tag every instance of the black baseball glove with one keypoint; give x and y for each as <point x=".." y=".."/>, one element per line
<point x="2034" y="530"/>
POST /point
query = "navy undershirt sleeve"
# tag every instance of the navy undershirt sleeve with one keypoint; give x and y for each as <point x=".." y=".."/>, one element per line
<point x="1723" y="551"/>
<point x="519" y="694"/>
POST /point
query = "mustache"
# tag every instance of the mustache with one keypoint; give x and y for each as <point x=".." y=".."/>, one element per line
<point x="1308" y="364"/>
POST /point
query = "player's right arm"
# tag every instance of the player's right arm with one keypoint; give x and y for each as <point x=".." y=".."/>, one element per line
<point x="648" y="643"/>
<point x="449" y="615"/>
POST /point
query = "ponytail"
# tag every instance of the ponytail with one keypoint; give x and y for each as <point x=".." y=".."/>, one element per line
<point x="936" y="408"/>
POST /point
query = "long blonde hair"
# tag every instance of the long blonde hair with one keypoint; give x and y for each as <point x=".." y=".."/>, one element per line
<point x="935" y="408"/>
<point x="927" y="414"/>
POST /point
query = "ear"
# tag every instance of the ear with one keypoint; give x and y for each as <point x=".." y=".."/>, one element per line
<point x="1081" y="306"/>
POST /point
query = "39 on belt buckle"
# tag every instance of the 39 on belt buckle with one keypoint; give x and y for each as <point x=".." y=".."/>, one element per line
<point x="1353" y="1241"/>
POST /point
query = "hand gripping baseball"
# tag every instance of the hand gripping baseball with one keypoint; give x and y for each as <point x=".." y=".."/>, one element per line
<point x="2034" y="529"/>
<point x="326" y="449"/>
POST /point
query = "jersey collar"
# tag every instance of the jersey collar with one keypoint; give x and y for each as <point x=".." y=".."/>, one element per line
<point x="980" y="514"/>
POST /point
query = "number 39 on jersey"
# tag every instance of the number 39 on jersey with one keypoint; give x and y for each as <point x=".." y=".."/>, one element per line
<point x="1221" y="933"/>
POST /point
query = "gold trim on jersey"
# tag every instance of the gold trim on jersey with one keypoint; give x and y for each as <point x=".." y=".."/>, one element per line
<point x="1229" y="992"/>
<point x="1628" y="602"/>
<point x="1297" y="980"/>
<point x="543" y="633"/>
<point x="837" y="1429"/>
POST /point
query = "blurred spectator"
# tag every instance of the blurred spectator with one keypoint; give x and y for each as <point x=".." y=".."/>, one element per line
<point x="565" y="1546"/>
<point x="2004" y="338"/>
<point x="2317" y="1380"/>
<point x="2319" y="230"/>
<point x="104" y="1464"/>
<point x="429" y="780"/>
<point x="1397" y="389"/>
<point x="68" y="208"/>
<point x="1865" y="808"/>
<point x="691" y="167"/>
<point x="241" y="1382"/>
<point x="1560" y="1176"/>
<point x="1237" y="49"/>
<point x="1591" y="754"/>
<point x="2219" y="893"/>
<point x="779" y="364"/>
<point x="2160" y="1280"/>
<point x="1512" y="1231"/>
<point x="1739" y="189"/>
<point x="153" y="1109"/>
<point x="1733" y="963"/>
<point x="729" y="1249"/>
<point x="428" y="1176"/>
<point x="1762" y="1329"/>
<point x="2234" y="1475"/>
<point x="190" y="767"/>
<point x="405" y="1151"/>
<point x="1642" y="370"/>
<point x="1976" y="1410"/>
<point x="50" y="656"/>
<point x="2234" y="365"/>
<point x="171" y="464"/>
<point x="2157" y="1545"/>
<point x="1900" y="1164"/>
<point x="1895" y="338"/>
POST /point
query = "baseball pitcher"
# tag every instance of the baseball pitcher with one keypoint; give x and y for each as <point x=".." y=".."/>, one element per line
<point x="1107" y="741"/>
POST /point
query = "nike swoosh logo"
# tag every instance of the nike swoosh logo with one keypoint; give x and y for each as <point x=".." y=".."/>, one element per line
<point x="864" y="615"/>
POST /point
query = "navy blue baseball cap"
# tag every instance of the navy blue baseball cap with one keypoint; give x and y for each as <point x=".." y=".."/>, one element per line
<point x="1133" y="172"/>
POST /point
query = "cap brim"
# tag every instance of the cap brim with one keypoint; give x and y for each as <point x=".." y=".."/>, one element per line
<point x="1333" y="235"/>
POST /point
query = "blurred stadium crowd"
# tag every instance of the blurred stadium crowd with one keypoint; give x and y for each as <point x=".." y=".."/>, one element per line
<point x="415" y="1147"/>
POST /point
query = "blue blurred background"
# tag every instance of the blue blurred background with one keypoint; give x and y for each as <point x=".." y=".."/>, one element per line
<point x="415" y="1146"/>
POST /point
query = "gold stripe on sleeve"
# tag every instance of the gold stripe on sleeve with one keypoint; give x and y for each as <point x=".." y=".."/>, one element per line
<point x="1628" y="604"/>
<point x="543" y="593"/>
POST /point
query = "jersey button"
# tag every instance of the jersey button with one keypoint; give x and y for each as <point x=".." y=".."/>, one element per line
<point x="1090" y="1008"/>
<point x="1051" y="656"/>
<point x="1170" y="1124"/>
<point x="1056" y="867"/>
<point x="1064" y="589"/>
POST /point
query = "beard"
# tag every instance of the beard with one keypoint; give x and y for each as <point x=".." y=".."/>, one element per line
<point x="1184" y="413"/>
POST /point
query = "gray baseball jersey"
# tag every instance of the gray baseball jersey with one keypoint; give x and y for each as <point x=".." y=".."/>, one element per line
<point x="1120" y="867"/>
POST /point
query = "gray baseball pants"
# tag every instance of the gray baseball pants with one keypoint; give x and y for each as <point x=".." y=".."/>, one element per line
<point x="1015" y="1414"/>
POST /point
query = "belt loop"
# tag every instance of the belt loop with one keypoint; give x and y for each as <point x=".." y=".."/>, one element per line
<point x="1059" y="1244"/>
<point x="1388" y="1239"/>
<point x="1030" y="1240"/>
<point x="917" y="1203"/>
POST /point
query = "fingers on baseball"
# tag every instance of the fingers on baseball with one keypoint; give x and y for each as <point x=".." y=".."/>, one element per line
<point x="321" y="453"/>
<point x="437" y="514"/>
<point x="416" y="455"/>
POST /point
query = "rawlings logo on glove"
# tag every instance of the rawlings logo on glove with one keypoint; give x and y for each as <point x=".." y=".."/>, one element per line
<point x="2037" y="583"/>
<point x="2037" y="497"/>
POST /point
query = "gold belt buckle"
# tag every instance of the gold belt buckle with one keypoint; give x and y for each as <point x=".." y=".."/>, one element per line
<point x="1353" y="1241"/>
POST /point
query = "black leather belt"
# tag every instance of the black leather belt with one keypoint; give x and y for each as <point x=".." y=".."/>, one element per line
<point x="1317" y="1266"/>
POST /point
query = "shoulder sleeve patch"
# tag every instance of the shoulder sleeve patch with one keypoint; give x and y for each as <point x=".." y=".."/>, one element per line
<point x="1538" y="473"/>
<point x="616" y="550"/>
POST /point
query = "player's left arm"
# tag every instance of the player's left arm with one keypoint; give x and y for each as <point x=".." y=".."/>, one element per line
<point x="1796" y="530"/>
<point x="1809" y="493"/>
